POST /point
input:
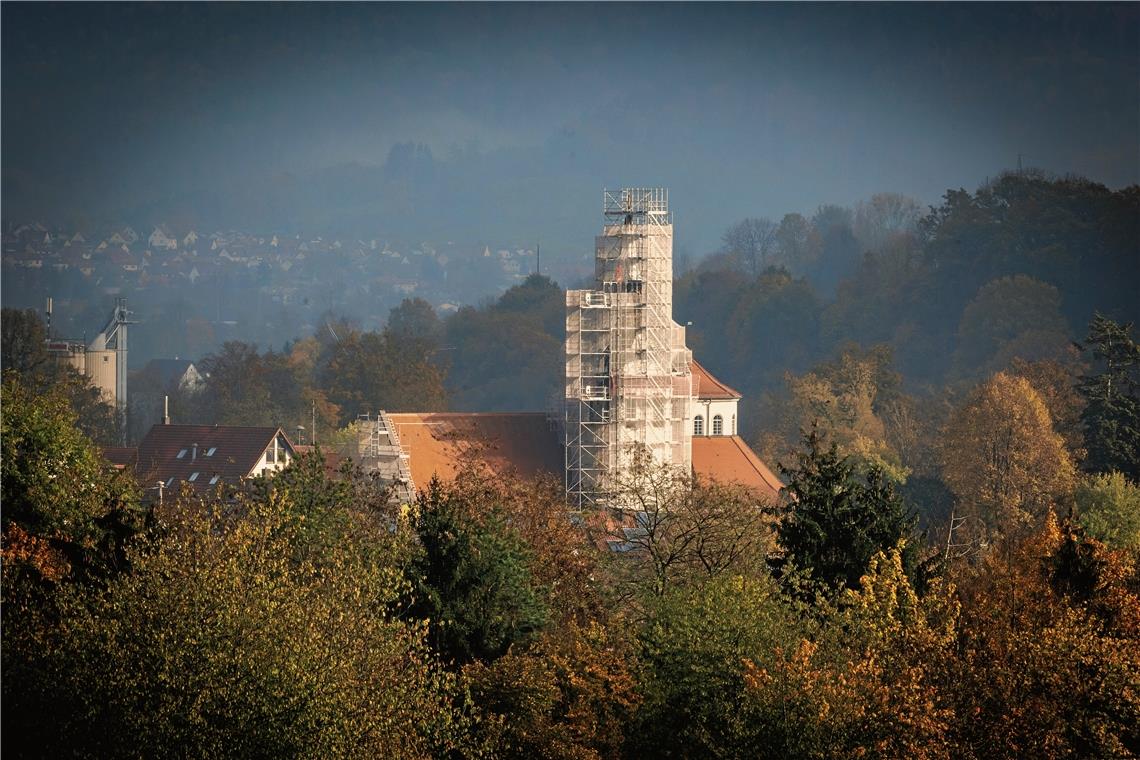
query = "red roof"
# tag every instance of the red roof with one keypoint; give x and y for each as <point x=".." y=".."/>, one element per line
<point x="441" y="443"/>
<point x="728" y="459"/>
<point x="707" y="386"/>
<point x="120" y="457"/>
<point x="333" y="460"/>
<point x="179" y="451"/>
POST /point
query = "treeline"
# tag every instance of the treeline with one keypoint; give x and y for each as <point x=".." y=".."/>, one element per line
<point x="505" y="355"/>
<point x="308" y="616"/>
<point x="1014" y="271"/>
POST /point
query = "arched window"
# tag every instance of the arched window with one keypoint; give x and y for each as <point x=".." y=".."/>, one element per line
<point x="718" y="425"/>
<point x="698" y="425"/>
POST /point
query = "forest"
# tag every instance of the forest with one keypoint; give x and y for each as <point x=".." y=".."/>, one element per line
<point x="951" y="397"/>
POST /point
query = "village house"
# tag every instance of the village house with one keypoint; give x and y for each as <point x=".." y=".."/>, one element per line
<point x="207" y="456"/>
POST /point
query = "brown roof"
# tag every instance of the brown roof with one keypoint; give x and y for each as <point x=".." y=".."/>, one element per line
<point x="441" y="443"/>
<point x="236" y="450"/>
<point x="333" y="460"/>
<point x="707" y="386"/>
<point x="120" y="457"/>
<point x="728" y="459"/>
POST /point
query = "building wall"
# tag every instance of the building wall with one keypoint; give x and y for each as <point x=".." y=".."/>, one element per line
<point x="709" y="408"/>
<point x="274" y="458"/>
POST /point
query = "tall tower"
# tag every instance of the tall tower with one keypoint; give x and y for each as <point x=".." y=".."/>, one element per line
<point x="628" y="382"/>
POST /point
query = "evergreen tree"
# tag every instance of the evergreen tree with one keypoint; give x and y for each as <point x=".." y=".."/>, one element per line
<point x="471" y="578"/>
<point x="836" y="521"/>
<point x="1112" y="414"/>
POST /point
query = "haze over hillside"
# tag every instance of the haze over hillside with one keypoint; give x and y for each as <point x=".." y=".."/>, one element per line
<point x="476" y="123"/>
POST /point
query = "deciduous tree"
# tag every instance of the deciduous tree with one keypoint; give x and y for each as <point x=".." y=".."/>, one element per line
<point x="1002" y="458"/>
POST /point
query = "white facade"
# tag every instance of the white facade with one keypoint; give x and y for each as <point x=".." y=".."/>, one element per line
<point x="715" y="417"/>
<point x="275" y="457"/>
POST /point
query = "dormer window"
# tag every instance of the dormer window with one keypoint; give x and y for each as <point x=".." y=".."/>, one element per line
<point x="181" y="454"/>
<point x="718" y="425"/>
<point x="699" y="425"/>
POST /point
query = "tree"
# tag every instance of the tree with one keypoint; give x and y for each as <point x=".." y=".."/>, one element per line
<point x="839" y="250"/>
<point x="571" y="695"/>
<point x="1055" y="380"/>
<point x="65" y="512"/>
<point x="695" y="651"/>
<point x="1002" y="458"/>
<point x="415" y="319"/>
<point x="24" y="342"/>
<point x="677" y="531"/>
<point x="798" y="242"/>
<point x="1011" y="317"/>
<point x="850" y="400"/>
<point x="884" y="216"/>
<point x="753" y="243"/>
<point x="1047" y="659"/>
<point x="471" y="578"/>
<point x="867" y="682"/>
<point x="390" y="370"/>
<point x="1108" y="507"/>
<point x="221" y="642"/>
<point x="1112" y="395"/>
<point x="835" y="521"/>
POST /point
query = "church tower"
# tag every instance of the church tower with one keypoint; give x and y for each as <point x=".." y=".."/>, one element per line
<point x="628" y="377"/>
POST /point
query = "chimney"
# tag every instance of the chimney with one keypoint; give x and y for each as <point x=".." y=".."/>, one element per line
<point x="166" y="410"/>
<point x="194" y="453"/>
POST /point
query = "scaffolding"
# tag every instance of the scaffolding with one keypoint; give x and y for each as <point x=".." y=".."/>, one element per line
<point x="628" y="383"/>
<point x="378" y="447"/>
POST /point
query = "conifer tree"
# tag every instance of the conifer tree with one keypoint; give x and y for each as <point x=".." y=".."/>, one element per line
<point x="1112" y="416"/>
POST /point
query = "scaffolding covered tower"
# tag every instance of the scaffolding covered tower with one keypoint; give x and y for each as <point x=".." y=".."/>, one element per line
<point x="628" y="382"/>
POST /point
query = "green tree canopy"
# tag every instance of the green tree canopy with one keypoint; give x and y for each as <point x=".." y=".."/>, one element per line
<point x="471" y="579"/>
<point x="835" y="521"/>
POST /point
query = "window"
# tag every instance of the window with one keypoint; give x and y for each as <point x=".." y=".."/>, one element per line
<point x="211" y="451"/>
<point x="193" y="477"/>
<point x="213" y="480"/>
<point x="698" y="425"/>
<point x="271" y="454"/>
<point x="718" y="425"/>
<point x="733" y="431"/>
<point x="181" y="454"/>
<point x="170" y="481"/>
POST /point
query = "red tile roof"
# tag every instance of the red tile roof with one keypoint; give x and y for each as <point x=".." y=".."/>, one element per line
<point x="441" y="443"/>
<point x="728" y="459"/>
<point x="120" y="457"/>
<point x="236" y="451"/>
<point x="707" y="386"/>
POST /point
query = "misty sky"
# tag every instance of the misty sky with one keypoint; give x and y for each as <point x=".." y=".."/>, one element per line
<point x="739" y="109"/>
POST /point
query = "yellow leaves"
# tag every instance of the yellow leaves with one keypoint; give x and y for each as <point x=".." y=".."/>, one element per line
<point x="1002" y="458"/>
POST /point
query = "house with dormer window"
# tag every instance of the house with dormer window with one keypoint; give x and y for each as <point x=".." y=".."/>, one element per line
<point x="208" y="456"/>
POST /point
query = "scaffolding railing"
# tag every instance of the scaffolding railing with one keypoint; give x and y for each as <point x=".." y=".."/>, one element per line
<point x="621" y="350"/>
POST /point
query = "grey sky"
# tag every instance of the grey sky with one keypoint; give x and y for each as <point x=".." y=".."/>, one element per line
<point x="740" y="109"/>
